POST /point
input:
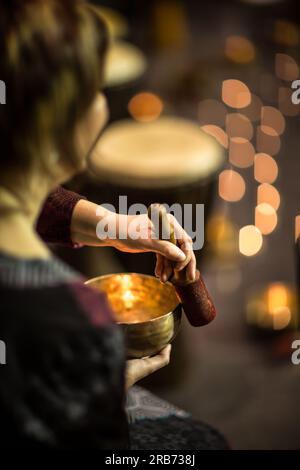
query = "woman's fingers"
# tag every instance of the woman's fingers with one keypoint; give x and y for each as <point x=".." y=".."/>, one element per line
<point x="191" y="268"/>
<point x="171" y="254"/>
<point x="154" y="363"/>
<point x="168" y="250"/>
<point x="189" y="264"/>
<point x="138" y="369"/>
<point x="167" y="270"/>
<point x="164" y="268"/>
<point x="186" y="245"/>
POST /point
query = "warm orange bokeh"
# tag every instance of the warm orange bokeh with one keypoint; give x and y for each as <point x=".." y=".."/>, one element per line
<point x="250" y="240"/>
<point x="272" y="118"/>
<point x="241" y="152"/>
<point x="253" y="110"/>
<point x="238" y="125"/>
<point x="145" y="107"/>
<point x="286" y="68"/>
<point x="232" y="186"/>
<point x="297" y="227"/>
<point x="235" y="94"/>
<point x="268" y="194"/>
<point x="267" y="140"/>
<point x="265" y="168"/>
<point x="265" y="218"/>
<point x="239" y="49"/>
<point x="218" y="133"/>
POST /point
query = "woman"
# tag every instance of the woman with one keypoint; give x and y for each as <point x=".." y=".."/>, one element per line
<point x="65" y="379"/>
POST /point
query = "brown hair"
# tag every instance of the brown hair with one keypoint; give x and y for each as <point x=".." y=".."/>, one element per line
<point x="51" y="60"/>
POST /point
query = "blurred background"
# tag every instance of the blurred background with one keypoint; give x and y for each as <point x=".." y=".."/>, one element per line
<point x="201" y="112"/>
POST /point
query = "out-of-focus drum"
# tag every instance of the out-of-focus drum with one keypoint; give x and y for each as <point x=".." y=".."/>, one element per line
<point x="169" y="160"/>
<point x="125" y="64"/>
<point x="124" y="72"/>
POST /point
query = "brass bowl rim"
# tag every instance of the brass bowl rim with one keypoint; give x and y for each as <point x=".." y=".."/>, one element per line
<point x="140" y="275"/>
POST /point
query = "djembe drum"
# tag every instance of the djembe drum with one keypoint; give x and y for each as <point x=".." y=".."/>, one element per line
<point x="124" y="72"/>
<point x="169" y="160"/>
<point x="125" y="63"/>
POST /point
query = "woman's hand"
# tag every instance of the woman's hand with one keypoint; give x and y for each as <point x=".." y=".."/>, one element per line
<point x="94" y="225"/>
<point x="137" y="369"/>
<point x="135" y="234"/>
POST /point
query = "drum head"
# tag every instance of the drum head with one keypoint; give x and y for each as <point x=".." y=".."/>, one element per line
<point x="164" y="153"/>
<point x="124" y="64"/>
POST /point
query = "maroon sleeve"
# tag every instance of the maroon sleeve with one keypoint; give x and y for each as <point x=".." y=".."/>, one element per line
<point x="55" y="219"/>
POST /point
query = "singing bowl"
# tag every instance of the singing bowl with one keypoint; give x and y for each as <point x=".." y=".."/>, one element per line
<point x="148" y="311"/>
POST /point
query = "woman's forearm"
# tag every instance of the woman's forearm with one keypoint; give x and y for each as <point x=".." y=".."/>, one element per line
<point x="85" y="219"/>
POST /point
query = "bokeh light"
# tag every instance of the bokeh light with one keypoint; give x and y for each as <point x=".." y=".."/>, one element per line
<point x="297" y="227"/>
<point x="253" y="110"/>
<point x="271" y="117"/>
<point x="145" y="107"/>
<point x="286" y="68"/>
<point x="238" y="125"/>
<point x="241" y="152"/>
<point x="218" y="133"/>
<point x="266" y="193"/>
<point x="235" y="94"/>
<point x="267" y="140"/>
<point x="250" y="240"/>
<point x="265" y="218"/>
<point x="124" y="63"/>
<point x="232" y="186"/>
<point x="265" y="168"/>
<point x="222" y="237"/>
<point x="286" y="33"/>
<point x="239" y="49"/>
<point x="211" y="112"/>
<point x="278" y="305"/>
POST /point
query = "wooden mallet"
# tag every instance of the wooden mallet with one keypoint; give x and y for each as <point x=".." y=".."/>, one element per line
<point x="195" y="299"/>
